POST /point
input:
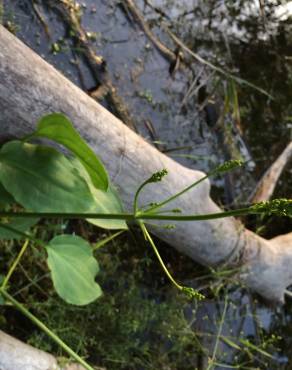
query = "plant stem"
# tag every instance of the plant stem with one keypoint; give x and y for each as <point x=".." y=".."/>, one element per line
<point x="44" y="328"/>
<point x="212" y="360"/>
<point x="131" y="216"/>
<point x="148" y="237"/>
<point x="135" y="205"/>
<point x="159" y="205"/>
<point x="14" y="264"/>
<point x="104" y="241"/>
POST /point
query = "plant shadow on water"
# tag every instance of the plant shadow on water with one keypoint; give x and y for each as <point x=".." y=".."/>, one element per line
<point x="138" y="322"/>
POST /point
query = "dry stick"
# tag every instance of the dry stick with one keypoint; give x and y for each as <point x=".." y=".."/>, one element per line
<point x="266" y="186"/>
<point x="164" y="50"/>
<point x="194" y="83"/>
<point x="95" y="62"/>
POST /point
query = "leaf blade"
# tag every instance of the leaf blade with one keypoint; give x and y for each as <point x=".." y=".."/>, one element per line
<point x="58" y="127"/>
<point x="42" y="179"/>
<point x="105" y="201"/>
<point x="73" y="269"/>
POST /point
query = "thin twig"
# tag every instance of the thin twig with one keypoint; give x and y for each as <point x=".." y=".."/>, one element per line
<point x="211" y="65"/>
<point x="212" y="360"/>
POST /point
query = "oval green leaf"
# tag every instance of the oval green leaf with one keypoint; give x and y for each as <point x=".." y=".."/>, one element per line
<point x="58" y="127"/>
<point x="73" y="269"/>
<point x="42" y="179"/>
<point x="104" y="201"/>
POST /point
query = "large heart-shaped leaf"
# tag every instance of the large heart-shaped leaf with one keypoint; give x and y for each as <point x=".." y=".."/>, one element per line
<point x="73" y="269"/>
<point x="42" y="179"/>
<point x="105" y="201"/>
<point x="57" y="127"/>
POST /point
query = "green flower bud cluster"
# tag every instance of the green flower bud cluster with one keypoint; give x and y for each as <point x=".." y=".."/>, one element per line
<point x="280" y="207"/>
<point x="192" y="293"/>
<point x="228" y="166"/>
<point x="158" y="176"/>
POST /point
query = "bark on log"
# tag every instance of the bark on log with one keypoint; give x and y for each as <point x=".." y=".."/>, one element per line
<point x="15" y="355"/>
<point x="30" y="88"/>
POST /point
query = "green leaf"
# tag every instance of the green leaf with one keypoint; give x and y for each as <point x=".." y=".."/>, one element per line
<point x="21" y="224"/>
<point x="5" y="198"/>
<point x="57" y="127"/>
<point x="73" y="269"/>
<point x="105" y="201"/>
<point x="42" y="179"/>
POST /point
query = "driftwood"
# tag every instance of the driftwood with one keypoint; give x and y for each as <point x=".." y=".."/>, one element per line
<point x="266" y="186"/>
<point x="30" y="88"/>
<point x="15" y="355"/>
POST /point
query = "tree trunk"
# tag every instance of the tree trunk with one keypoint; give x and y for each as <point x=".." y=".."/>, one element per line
<point x="30" y="88"/>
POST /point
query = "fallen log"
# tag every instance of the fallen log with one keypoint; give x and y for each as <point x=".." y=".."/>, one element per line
<point x="16" y="355"/>
<point x="30" y="88"/>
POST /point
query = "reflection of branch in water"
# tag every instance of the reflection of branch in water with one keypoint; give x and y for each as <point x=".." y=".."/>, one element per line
<point x="157" y="10"/>
<point x="41" y="18"/>
<point x="137" y="16"/>
<point x="97" y="65"/>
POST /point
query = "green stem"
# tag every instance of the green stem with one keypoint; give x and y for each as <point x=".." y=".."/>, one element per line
<point x="14" y="264"/>
<point x="131" y="216"/>
<point x="148" y="237"/>
<point x="212" y="360"/>
<point x="135" y="206"/>
<point x="70" y="215"/>
<point x="159" y="205"/>
<point x="104" y="241"/>
<point x="44" y="328"/>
